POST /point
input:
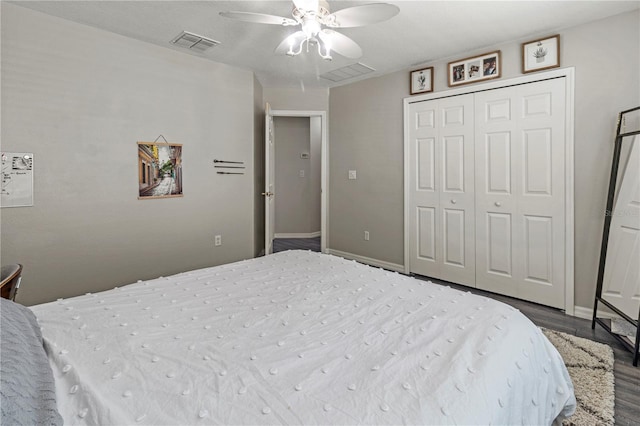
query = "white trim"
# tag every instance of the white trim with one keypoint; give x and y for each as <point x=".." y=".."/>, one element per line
<point x="297" y="235"/>
<point x="407" y="185"/>
<point x="582" y="312"/>
<point x="569" y="239"/>
<point x="324" y="166"/>
<point x="569" y="74"/>
<point x="587" y="313"/>
<point x="367" y="260"/>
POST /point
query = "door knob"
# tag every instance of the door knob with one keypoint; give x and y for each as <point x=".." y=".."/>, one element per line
<point x="453" y="201"/>
<point x="267" y="194"/>
<point x="498" y="204"/>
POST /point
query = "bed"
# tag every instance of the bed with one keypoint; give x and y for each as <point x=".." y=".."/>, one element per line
<point x="299" y="338"/>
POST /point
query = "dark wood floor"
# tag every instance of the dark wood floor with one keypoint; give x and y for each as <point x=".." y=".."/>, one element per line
<point x="627" y="377"/>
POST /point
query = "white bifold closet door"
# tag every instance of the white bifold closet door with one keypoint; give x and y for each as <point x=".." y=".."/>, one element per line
<point x="621" y="281"/>
<point x="486" y="194"/>
<point x="442" y="243"/>
<point x="520" y="191"/>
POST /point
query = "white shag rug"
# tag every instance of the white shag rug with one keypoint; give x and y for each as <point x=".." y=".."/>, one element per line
<point x="590" y="366"/>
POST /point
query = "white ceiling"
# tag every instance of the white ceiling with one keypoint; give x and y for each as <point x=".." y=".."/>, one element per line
<point x="423" y="30"/>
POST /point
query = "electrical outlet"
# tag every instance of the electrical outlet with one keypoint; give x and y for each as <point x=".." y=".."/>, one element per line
<point x="218" y="240"/>
<point x="366" y="235"/>
<point x="301" y="173"/>
<point x="352" y="174"/>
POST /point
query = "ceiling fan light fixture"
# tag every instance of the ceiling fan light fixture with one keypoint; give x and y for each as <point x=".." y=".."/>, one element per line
<point x="312" y="16"/>
<point x="311" y="27"/>
<point x="327" y="49"/>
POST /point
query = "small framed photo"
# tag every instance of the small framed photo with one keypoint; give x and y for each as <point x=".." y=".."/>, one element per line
<point x="421" y="81"/>
<point x="541" y="54"/>
<point x="476" y="68"/>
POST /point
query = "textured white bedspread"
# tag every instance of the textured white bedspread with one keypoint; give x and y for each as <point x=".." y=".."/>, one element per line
<point x="299" y="338"/>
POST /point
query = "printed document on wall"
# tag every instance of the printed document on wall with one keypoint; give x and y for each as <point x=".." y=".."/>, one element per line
<point x="17" y="179"/>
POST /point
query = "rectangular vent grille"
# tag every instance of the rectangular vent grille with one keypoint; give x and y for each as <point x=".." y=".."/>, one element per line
<point x="345" y="73"/>
<point x="194" y="42"/>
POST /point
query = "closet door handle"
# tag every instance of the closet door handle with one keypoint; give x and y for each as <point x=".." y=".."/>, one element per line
<point x="453" y="201"/>
<point x="497" y="203"/>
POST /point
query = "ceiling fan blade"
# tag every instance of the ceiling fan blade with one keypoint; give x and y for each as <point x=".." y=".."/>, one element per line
<point x="340" y="43"/>
<point x="293" y="40"/>
<point x="259" y="18"/>
<point x="359" y="16"/>
<point x="306" y="5"/>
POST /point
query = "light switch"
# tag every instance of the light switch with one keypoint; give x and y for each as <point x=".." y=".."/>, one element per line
<point x="352" y="174"/>
<point x="301" y="173"/>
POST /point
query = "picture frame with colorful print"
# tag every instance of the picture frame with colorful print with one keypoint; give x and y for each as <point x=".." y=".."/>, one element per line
<point x="159" y="170"/>
<point x="421" y="81"/>
<point x="475" y="68"/>
<point x="541" y="54"/>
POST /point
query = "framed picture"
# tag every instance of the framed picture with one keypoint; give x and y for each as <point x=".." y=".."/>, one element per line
<point x="541" y="54"/>
<point x="421" y="81"/>
<point x="476" y="68"/>
<point x="159" y="170"/>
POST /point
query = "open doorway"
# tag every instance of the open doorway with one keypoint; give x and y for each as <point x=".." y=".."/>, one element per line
<point x="295" y="176"/>
<point x="297" y="180"/>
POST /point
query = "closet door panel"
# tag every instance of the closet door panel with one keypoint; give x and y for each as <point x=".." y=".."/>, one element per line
<point x="453" y="225"/>
<point x="457" y="195"/>
<point x="453" y="151"/>
<point x="541" y="191"/>
<point x="426" y="234"/>
<point x="538" y="244"/>
<point x="441" y="199"/>
<point x="520" y="174"/>
<point x="424" y="199"/>
<point x="497" y="165"/>
<point x="498" y="245"/>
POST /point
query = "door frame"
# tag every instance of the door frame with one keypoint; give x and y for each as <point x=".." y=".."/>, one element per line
<point x="324" y="167"/>
<point x="569" y="74"/>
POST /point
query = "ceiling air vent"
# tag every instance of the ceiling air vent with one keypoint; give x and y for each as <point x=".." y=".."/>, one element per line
<point x="345" y="73"/>
<point x="194" y="42"/>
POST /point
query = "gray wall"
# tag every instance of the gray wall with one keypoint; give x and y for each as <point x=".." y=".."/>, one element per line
<point x="366" y="134"/>
<point x="293" y="98"/>
<point x="79" y="99"/>
<point x="297" y="198"/>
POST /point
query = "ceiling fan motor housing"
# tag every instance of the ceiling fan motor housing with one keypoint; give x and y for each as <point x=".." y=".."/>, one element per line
<point x="322" y="12"/>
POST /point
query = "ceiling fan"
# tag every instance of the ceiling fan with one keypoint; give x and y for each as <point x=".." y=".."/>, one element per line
<point x="312" y="16"/>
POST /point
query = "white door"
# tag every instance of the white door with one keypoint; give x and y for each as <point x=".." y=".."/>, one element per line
<point x="269" y="182"/>
<point x="441" y="195"/>
<point x="621" y="281"/>
<point x="520" y="193"/>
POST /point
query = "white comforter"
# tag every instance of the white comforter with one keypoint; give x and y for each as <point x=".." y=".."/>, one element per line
<point x="299" y="338"/>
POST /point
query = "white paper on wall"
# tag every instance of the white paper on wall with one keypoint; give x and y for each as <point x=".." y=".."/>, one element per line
<point x="17" y="179"/>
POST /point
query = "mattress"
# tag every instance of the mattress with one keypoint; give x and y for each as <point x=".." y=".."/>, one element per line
<point x="299" y="338"/>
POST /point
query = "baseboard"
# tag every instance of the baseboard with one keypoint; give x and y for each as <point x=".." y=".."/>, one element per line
<point x="367" y="260"/>
<point x="297" y="235"/>
<point x="587" y="313"/>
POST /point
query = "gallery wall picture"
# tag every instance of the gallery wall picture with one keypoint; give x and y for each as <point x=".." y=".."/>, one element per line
<point x="421" y="81"/>
<point x="541" y="54"/>
<point x="159" y="170"/>
<point x="474" y="69"/>
<point x="17" y="179"/>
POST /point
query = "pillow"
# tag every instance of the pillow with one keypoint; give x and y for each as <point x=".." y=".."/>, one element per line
<point x="27" y="389"/>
